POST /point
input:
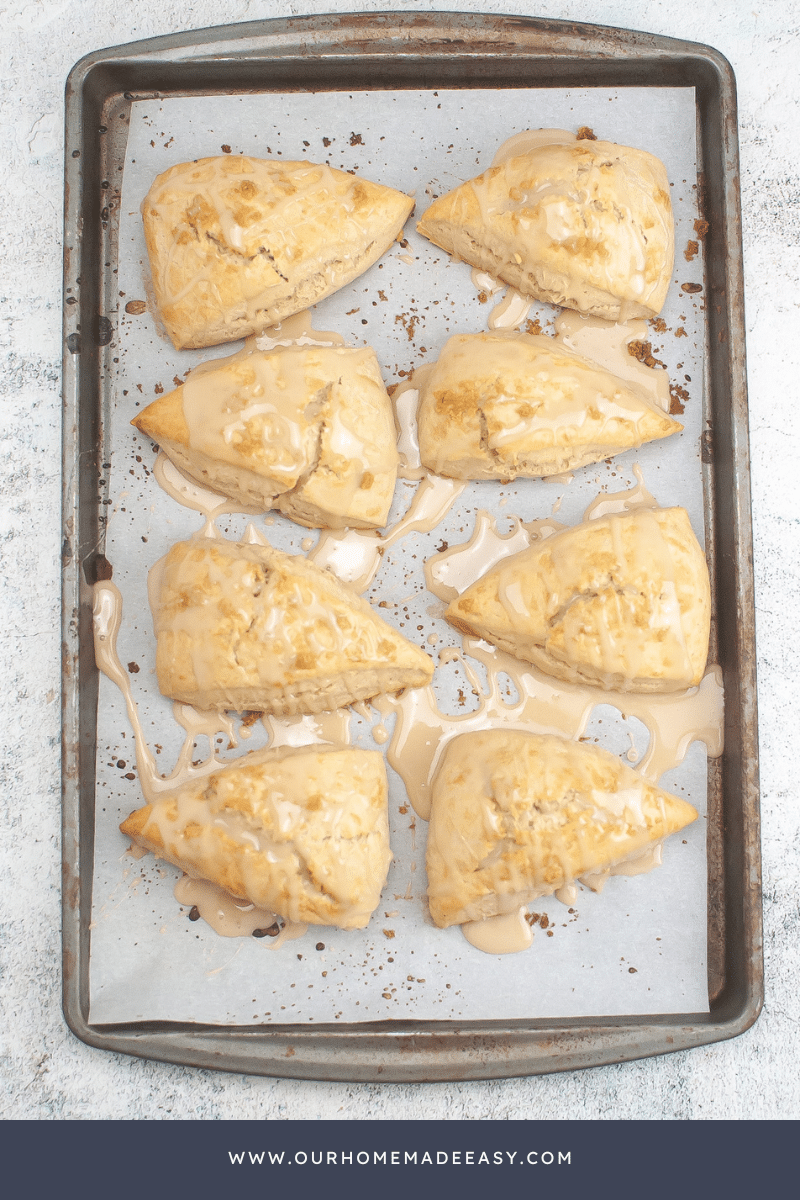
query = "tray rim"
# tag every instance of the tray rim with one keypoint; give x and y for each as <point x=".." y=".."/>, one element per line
<point x="400" y="1051"/>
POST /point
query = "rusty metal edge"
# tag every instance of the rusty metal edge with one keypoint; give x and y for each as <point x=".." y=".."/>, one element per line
<point x="394" y="1053"/>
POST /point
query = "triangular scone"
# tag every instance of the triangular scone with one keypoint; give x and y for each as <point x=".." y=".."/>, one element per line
<point x="308" y="429"/>
<point x="505" y="404"/>
<point x="621" y="602"/>
<point x="237" y="243"/>
<point x="302" y="833"/>
<point x="516" y="815"/>
<point x="246" y="627"/>
<point x="587" y="225"/>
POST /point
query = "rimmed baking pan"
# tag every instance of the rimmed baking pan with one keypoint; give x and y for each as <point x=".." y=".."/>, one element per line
<point x="399" y="52"/>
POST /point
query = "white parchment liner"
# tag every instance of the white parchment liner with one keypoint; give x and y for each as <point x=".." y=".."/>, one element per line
<point x="640" y="946"/>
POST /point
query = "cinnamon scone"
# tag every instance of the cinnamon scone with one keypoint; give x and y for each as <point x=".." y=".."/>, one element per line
<point x="300" y="832"/>
<point x="621" y="602"/>
<point x="517" y="815"/>
<point x="507" y="404"/>
<point x="308" y="429"/>
<point x="236" y="243"/>
<point x="245" y="627"/>
<point x="586" y="225"/>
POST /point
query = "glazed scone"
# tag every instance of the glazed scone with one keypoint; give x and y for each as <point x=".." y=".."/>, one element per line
<point x="236" y="244"/>
<point x="308" y="429"/>
<point x="516" y="815"/>
<point x="245" y="627"/>
<point x="621" y="602"/>
<point x="301" y="832"/>
<point x="507" y="404"/>
<point x="587" y="225"/>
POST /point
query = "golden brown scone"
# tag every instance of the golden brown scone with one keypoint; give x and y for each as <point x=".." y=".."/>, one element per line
<point x="236" y="244"/>
<point x="506" y="404"/>
<point x="247" y="628"/>
<point x="308" y="429"/>
<point x="621" y="602"/>
<point x="587" y="225"/>
<point x="301" y="832"/>
<point x="517" y="815"/>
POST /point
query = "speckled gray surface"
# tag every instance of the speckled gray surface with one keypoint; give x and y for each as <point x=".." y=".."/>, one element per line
<point x="46" y="1073"/>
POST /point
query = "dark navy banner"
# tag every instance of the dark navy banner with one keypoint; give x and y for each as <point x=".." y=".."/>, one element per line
<point x="387" y="1159"/>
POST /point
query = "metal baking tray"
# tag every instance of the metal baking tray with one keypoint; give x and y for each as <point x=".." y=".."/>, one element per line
<point x="397" y="51"/>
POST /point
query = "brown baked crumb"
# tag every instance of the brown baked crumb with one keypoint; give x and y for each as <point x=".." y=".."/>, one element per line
<point x="678" y="398"/>
<point x="135" y="307"/>
<point x="355" y="139"/>
<point x="658" y="324"/>
<point x="533" y="327"/>
<point x="585" y="134"/>
<point x="250" y="718"/>
<point x="409" y="323"/>
<point x="133" y="668"/>
<point x="701" y="229"/>
<point x="388" y="933"/>
<point x="225" y="149"/>
<point x="691" y="287"/>
<point x="691" y="251"/>
<point x="643" y="351"/>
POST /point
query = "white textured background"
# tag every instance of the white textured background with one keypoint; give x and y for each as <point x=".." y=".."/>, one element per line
<point x="45" y="1073"/>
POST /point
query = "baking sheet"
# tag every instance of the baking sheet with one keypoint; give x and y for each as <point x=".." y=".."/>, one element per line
<point x="637" y="948"/>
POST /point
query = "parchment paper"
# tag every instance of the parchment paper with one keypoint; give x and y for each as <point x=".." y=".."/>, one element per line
<point x="637" y="948"/>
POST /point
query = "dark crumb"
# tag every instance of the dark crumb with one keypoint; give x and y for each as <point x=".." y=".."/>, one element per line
<point x="355" y="139"/>
<point x="320" y="945"/>
<point x="133" y="668"/>
<point x="225" y="149"/>
<point x="158" y="389"/>
<point x="129" y="775"/>
<point x="691" y="287"/>
<point x="533" y="327"/>
<point x="659" y="325"/>
<point x="388" y="933"/>
<point x="549" y="933"/>
<point x="250" y="718"/>
<point x="533" y="918"/>
<point x="643" y="351"/>
<point x="678" y="397"/>
<point x="543" y="921"/>
<point x="632" y="971"/>
<point x="177" y="381"/>
<point x="681" y="332"/>
<point x="194" y="913"/>
<point x="701" y="229"/>
<point x="482" y="297"/>
<point x="326" y="141"/>
<point x="135" y="307"/>
<point x="440" y="549"/>
<point x="585" y="134"/>
<point x="691" y="251"/>
<point x="272" y="931"/>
